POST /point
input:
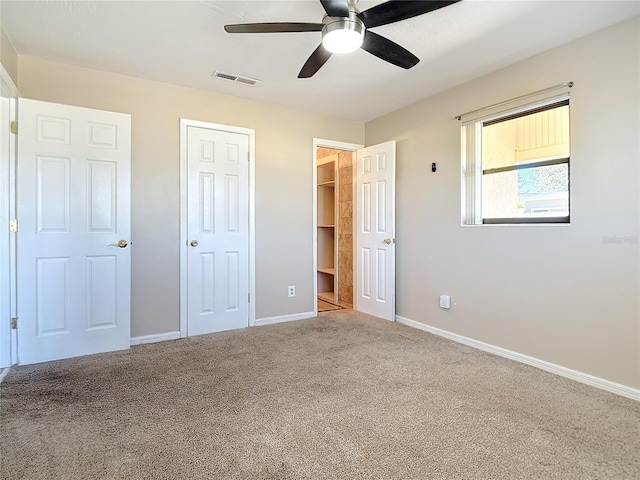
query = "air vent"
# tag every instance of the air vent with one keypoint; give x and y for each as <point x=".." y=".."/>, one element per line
<point x="235" y="78"/>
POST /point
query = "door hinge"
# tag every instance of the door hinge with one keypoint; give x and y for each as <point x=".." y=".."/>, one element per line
<point x="248" y="156"/>
<point x="14" y="323"/>
<point x="13" y="127"/>
<point x="13" y="225"/>
<point x="249" y="297"/>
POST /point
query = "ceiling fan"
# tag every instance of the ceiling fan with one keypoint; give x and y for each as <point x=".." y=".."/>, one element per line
<point x="345" y="29"/>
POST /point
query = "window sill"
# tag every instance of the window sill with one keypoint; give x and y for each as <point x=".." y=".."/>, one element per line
<point x="516" y="225"/>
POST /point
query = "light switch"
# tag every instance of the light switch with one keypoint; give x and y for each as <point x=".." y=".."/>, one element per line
<point x="445" y="301"/>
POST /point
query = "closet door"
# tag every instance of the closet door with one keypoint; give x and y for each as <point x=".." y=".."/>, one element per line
<point x="218" y="230"/>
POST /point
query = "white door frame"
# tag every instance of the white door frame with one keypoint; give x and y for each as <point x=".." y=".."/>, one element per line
<point x="318" y="143"/>
<point x="8" y="337"/>
<point x="184" y="280"/>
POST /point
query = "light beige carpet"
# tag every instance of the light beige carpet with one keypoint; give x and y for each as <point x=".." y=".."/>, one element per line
<point x="343" y="396"/>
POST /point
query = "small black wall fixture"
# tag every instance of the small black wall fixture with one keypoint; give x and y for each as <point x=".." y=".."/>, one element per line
<point x="433" y="167"/>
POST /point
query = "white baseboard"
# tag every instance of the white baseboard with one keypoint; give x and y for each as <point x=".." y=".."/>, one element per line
<point x="4" y="373"/>
<point x="617" y="388"/>
<point x="284" y="318"/>
<point x="159" y="337"/>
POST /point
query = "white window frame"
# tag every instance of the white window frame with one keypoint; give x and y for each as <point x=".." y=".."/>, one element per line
<point x="545" y="210"/>
<point x="471" y="168"/>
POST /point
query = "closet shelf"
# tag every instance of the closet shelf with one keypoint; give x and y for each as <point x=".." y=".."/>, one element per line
<point x="327" y="296"/>
<point x="326" y="161"/>
<point x="327" y="186"/>
<point x="330" y="271"/>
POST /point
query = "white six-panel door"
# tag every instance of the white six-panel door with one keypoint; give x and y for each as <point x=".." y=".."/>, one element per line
<point x="375" y="230"/>
<point x="73" y="208"/>
<point x="218" y="230"/>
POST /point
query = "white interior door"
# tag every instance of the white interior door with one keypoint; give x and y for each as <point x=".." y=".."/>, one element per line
<point x="218" y="230"/>
<point x="73" y="207"/>
<point x="375" y="230"/>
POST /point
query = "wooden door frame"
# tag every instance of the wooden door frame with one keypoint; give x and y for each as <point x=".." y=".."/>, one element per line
<point x="319" y="143"/>
<point x="184" y="279"/>
<point x="8" y="336"/>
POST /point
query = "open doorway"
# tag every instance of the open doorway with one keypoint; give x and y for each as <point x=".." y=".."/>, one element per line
<point x="334" y="224"/>
<point x="365" y="210"/>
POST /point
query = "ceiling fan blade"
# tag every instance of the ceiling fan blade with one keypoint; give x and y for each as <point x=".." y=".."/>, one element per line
<point x="317" y="59"/>
<point x="284" y="27"/>
<point x="388" y="51"/>
<point x="336" y="8"/>
<point x="397" y="10"/>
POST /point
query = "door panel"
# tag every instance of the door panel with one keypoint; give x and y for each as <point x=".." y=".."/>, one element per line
<point x="101" y="193"/>
<point x="73" y="183"/>
<point x="53" y="194"/>
<point x="52" y="296"/>
<point x="102" y="291"/>
<point x="218" y="230"/>
<point x="375" y="230"/>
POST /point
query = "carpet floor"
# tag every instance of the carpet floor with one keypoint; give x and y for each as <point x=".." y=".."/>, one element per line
<point x="341" y="396"/>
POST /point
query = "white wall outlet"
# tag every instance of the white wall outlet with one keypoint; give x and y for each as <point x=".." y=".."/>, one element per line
<point x="292" y="291"/>
<point x="445" y="301"/>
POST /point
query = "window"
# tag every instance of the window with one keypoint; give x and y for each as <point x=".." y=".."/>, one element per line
<point x="516" y="165"/>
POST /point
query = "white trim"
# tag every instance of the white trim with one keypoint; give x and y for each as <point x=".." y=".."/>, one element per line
<point x="320" y="142"/>
<point x="350" y="147"/>
<point x="518" y="105"/>
<point x="617" y="388"/>
<point x="158" y="337"/>
<point x="286" y="318"/>
<point x="8" y="337"/>
<point x="252" y="226"/>
<point x="184" y="123"/>
<point x="183" y="229"/>
<point x="6" y="78"/>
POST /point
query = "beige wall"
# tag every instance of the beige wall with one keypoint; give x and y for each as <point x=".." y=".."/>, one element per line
<point x="284" y="169"/>
<point x="565" y="294"/>
<point x="8" y="56"/>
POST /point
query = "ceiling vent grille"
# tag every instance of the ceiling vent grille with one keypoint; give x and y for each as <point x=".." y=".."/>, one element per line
<point x="235" y="78"/>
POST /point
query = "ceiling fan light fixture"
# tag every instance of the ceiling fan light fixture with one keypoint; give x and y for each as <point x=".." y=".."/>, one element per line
<point x="344" y="35"/>
<point x="345" y="28"/>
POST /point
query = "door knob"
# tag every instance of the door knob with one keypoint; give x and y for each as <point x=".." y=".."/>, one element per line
<point x="387" y="241"/>
<point x="121" y="244"/>
<point x="194" y="243"/>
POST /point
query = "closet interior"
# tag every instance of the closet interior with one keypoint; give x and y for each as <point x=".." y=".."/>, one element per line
<point x="334" y="174"/>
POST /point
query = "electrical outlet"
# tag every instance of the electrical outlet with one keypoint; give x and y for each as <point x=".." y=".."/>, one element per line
<point x="292" y="291"/>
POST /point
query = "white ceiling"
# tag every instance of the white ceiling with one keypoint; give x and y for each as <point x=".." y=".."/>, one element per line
<point x="184" y="42"/>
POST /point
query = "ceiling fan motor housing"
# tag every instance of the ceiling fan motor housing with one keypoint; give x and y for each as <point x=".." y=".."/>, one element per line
<point x="342" y="34"/>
